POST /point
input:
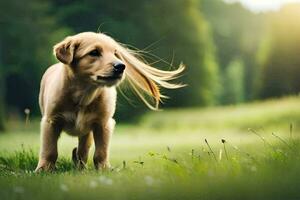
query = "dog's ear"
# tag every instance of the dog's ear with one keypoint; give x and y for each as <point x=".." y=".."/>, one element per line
<point x="65" y="50"/>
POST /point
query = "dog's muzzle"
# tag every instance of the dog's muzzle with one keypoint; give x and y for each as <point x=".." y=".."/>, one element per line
<point x="117" y="73"/>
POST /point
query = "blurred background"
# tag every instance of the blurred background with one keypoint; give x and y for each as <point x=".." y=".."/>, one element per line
<point x="235" y="51"/>
<point x="235" y="125"/>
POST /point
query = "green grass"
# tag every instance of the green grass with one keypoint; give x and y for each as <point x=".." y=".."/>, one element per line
<point x="165" y="156"/>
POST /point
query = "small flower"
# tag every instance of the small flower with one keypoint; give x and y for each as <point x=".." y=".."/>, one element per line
<point x="64" y="187"/>
<point x="210" y="173"/>
<point x="102" y="179"/>
<point x="27" y="111"/>
<point x="93" y="184"/>
<point x="109" y="181"/>
<point x="19" y="189"/>
<point x="253" y="168"/>
<point x="149" y="180"/>
<point x="105" y="180"/>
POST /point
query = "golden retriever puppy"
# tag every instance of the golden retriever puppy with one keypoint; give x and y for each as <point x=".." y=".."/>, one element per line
<point x="78" y="94"/>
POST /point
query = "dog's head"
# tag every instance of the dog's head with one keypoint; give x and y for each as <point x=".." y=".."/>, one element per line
<point x="92" y="56"/>
<point x="101" y="60"/>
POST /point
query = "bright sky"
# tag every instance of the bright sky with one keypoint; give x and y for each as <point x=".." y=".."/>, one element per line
<point x="263" y="5"/>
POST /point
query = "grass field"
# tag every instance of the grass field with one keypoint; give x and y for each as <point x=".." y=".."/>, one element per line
<point x="174" y="154"/>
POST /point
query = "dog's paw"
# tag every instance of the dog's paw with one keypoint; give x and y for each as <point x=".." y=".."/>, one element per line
<point x="102" y="166"/>
<point x="45" y="167"/>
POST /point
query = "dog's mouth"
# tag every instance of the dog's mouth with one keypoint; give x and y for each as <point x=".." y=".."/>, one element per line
<point x="107" y="80"/>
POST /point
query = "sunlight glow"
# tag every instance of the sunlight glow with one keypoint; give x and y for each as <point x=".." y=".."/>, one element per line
<point x="263" y="5"/>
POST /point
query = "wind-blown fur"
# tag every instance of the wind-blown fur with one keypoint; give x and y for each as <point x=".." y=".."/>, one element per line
<point x="145" y="79"/>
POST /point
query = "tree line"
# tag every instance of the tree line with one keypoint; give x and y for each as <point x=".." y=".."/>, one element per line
<point x="232" y="55"/>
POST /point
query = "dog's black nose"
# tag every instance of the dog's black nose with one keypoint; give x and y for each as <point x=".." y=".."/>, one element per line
<point x="119" y="68"/>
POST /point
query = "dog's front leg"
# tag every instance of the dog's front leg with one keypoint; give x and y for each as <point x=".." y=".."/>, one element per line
<point x="50" y="132"/>
<point x="102" y="134"/>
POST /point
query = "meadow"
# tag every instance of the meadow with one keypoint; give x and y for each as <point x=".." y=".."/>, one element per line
<point x="247" y="151"/>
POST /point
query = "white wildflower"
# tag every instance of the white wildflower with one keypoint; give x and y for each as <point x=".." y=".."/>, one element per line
<point x="210" y="173"/>
<point x="93" y="184"/>
<point x="253" y="168"/>
<point x="109" y="181"/>
<point x="102" y="179"/>
<point x="19" y="189"/>
<point x="149" y="180"/>
<point x="105" y="180"/>
<point x="64" y="187"/>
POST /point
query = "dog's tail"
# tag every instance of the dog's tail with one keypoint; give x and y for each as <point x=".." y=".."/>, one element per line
<point x="146" y="80"/>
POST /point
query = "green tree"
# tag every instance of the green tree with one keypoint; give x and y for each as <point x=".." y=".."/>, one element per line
<point x="237" y="33"/>
<point x="2" y="103"/>
<point x="279" y="60"/>
<point x="185" y="37"/>
<point x="27" y="30"/>
<point x="233" y="82"/>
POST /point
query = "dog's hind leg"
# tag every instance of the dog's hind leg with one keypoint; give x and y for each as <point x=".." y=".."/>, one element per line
<point x="50" y="132"/>
<point x="80" y="154"/>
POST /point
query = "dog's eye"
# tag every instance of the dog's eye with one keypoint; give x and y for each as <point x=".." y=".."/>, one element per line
<point x="94" y="53"/>
<point x="117" y="55"/>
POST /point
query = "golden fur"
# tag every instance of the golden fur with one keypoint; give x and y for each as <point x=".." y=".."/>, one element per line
<point x="78" y="94"/>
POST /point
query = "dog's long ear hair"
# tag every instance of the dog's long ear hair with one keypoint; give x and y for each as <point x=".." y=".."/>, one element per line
<point x="147" y="80"/>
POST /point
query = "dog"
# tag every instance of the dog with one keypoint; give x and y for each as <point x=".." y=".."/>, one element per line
<point x="78" y="94"/>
